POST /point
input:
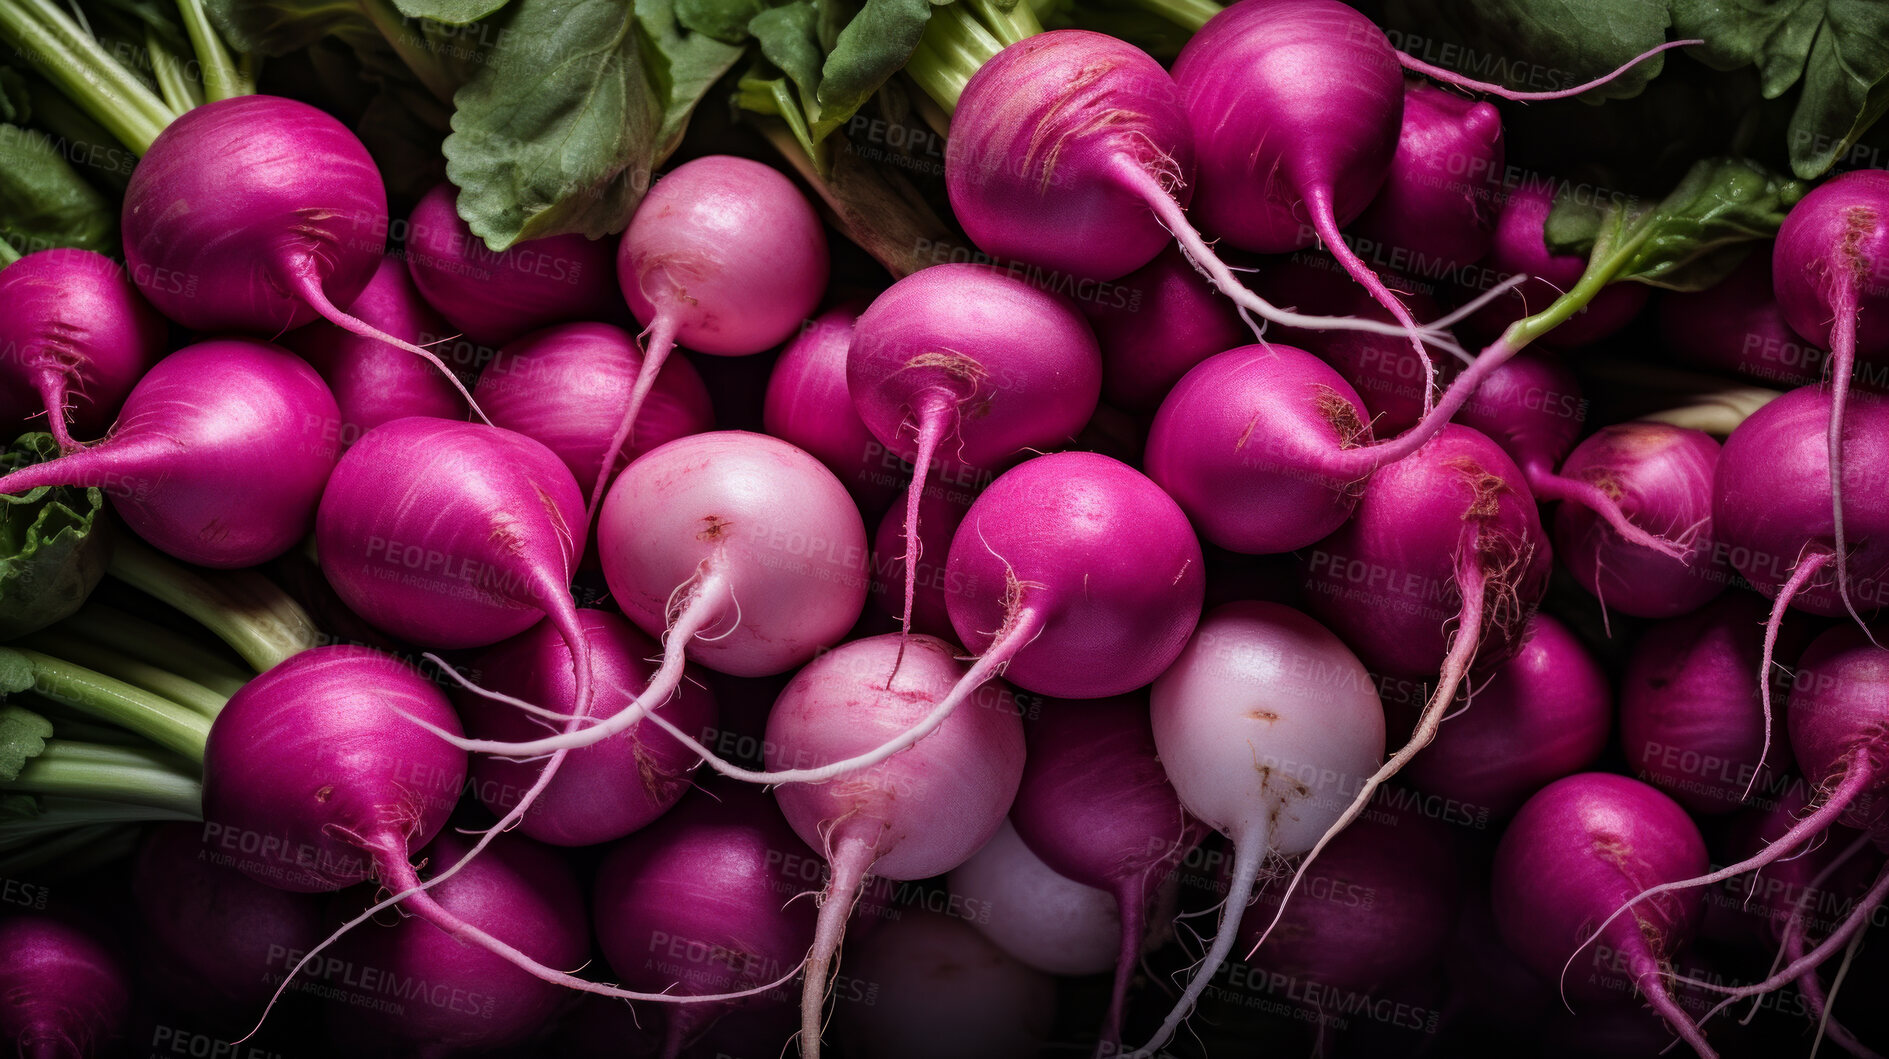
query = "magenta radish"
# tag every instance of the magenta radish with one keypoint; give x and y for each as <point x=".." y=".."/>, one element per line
<point x="1441" y="196"/>
<point x="372" y="381"/>
<point x="808" y="405"/>
<point x="940" y="512"/>
<point x="1580" y="847"/>
<point x="1659" y="479"/>
<point x="1265" y="724"/>
<point x="1691" y="720"/>
<point x="1167" y="319"/>
<point x="1097" y="807"/>
<point x="523" y="894"/>
<point x="1737" y="325"/>
<point x="931" y="970"/>
<point x="724" y="256"/>
<point x="564" y="386"/>
<point x="217" y="939"/>
<point x="258" y="214"/>
<point x="962" y="367"/>
<point x="75" y="337"/>
<point x="493" y="297"/>
<point x="703" y="901"/>
<point x="219" y="456"/>
<point x="64" y="989"/>
<point x="606" y="790"/>
<point x="1521" y="249"/>
<point x="913" y="815"/>
<point x="1048" y="921"/>
<point x="1541" y="714"/>
<point x="1829" y="264"/>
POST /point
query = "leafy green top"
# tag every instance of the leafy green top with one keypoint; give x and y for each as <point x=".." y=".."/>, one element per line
<point x="53" y="549"/>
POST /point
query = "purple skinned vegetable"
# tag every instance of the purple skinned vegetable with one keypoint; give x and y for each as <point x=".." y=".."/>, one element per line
<point x="1521" y="249"/>
<point x="1736" y="325"/>
<point x="493" y="297"/>
<point x="1440" y="199"/>
<point x="219" y="456"/>
<point x="64" y="989"/>
<point x="1166" y="319"/>
<point x="1045" y="919"/>
<point x="75" y="337"/>
<point x="940" y="512"/>
<point x="931" y="969"/>
<point x="808" y="405"/>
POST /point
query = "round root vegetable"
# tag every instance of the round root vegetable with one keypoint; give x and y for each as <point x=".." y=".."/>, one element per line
<point x="1521" y="249"/>
<point x="63" y="990"/>
<point x="1169" y="320"/>
<point x="916" y="814"/>
<point x="258" y="214"/>
<point x="520" y="892"/>
<point x="219" y="457"/>
<point x="962" y="367"/>
<point x="75" y="337"/>
<point x="564" y="386"/>
<point x="1541" y="714"/>
<point x="1580" y="847"/>
<point x="1829" y="263"/>
<point x="1047" y="920"/>
<point x="1440" y="197"/>
<point x="1097" y="807"/>
<point x="603" y="791"/>
<point x="703" y="901"/>
<point x="940" y="512"/>
<point x="1264" y="723"/>
<point x="1736" y="325"/>
<point x="374" y="382"/>
<point x="807" y="404"/>
<point x="1659" y="479"/>
<point x="724" y="256"/>
<point x="493" y="297"/>
<point x="945" y="992"/>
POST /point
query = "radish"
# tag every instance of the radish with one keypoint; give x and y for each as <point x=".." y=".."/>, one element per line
<point x="493" y="297"/>
<point x="1045" y="920"/>
<point x="703" y="901"/>
<point x="258" y="213"/>
<point x="940" y="512"/>
<point x="1168" y="320"/>
<point x="931" y="972"/>
<point x="1737" y="325"/>
<point x="1521" y="249"/>
<point x="724" y="256"/>
<point x="807" y="405"/>
<point x="1096" y="806"/>
<point x="1541" y="714"/>
<point x="219" y="456"/>
<point x="64" y="990"/>
<point x="601" y="792"/>
<point x="564" y="386"/>
<point x="961" y="367"/>
<point x="372" y="381"/>
<point x="75" y="333"/>
<point x="1578" y="848"/>
<point x="1440" y="198"/>
<point x="1829" y="263"/>
<point x="1659" y="478"/>
<point x="521" y="892"/>
<point x="1264" y="723"/>
<point x="912" y="816"/>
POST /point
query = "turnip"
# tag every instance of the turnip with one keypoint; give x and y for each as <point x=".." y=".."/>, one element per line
<point x="372" y="381"/>
<point x="940" y="512"/>
<point x="1441" y="195"/>
<point x="565" y="385"/>
<point x="75" y="334"/>
<point x="912" y="816"/>
<point x="724" y="256"/>
<point x="219" y="456"/>
<point x="1096" y="806"/>
<point x="1577" y="849"/>
<point x="1165" y="320"/>
<point x="1541" y="714"/>
<point x="703" y="901"/>
<point x="807" y="405"/>
<point x="1046" y="920"/>
<point x="962" y="367"/>
<point x="1265" y="722"/>
<point x="494" y="297"/>
<point x="1737" y="325"/>
<point x="64" y="989"/>
<point x="602" y="792"/>
<point x="258" y="214"/>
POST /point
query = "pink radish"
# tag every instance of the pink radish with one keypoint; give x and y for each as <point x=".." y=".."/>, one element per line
<point x="1048" y="921"/>
<point x="1440" y="198"/>
<point x="808" y="405"/>
<point x="1170" y="320"/>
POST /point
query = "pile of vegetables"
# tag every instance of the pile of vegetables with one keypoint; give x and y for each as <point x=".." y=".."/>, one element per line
<point x="942" y="528"/>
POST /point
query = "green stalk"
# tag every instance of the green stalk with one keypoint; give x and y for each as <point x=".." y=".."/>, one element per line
<point x="163" y="722"/>
<point x="1604" y="262"/>
<point x="221" y="79"/>
<point x="161" y="682"/>
<point x="1190" y="15"/>
<point x="114" y="774"/>
<point x="8" y="255"/>
<point x="954" y="47"/>
<point x="156" y="645"/>
<point x="63" y="814"/>
<point x="179" y="91"/>
<point x="75" y="63"/>
<point x="249" y="65"/>
<point x="243" y="608"/>
<point x="75" y="852"/>
<point x="1009" y="26"/>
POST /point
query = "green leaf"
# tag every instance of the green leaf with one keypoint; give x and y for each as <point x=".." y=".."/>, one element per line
<point x="53" y="549"/>
<point x="872" y="47"/>
<point x="1839" y="49"/>
<point x="374" y="29"/>
<point x="44" y="202"/>
<point x="1697" y="234"/>
<point x="682" y="68"/>
<point x="23" y="733"/>
<point x="724" y="20"/>
<point x="18" y="806"/>
<point x="1536" y="45"/>
<point x="559" y="132"/>
<point x="450" y="12"/>
<point x="790" y="39"/>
